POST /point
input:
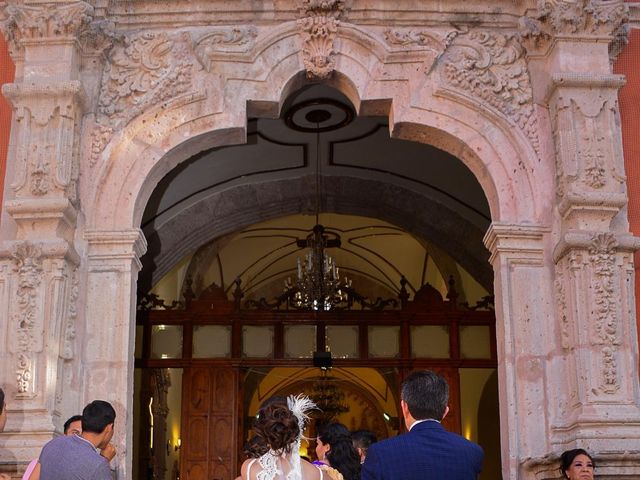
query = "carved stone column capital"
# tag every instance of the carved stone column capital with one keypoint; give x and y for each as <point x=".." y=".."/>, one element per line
<point x="121" y="245"/>
<point x="519" y="241"/>
<point x="318" y="24"/>
<point x="601" y="19"/>
<point x="34" y="24"/>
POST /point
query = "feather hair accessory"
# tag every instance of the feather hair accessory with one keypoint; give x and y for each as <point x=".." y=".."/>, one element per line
<point x="299" y="406"/>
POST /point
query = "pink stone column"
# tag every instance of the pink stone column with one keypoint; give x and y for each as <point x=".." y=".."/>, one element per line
<point x="110" y="320"/>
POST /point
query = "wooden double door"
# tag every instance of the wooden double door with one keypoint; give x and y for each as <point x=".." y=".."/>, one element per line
<point x="211" y="403"/>
<point x="212" y="419"/>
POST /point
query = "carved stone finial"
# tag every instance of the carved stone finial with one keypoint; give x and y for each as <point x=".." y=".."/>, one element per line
<point x="318" y="23"/>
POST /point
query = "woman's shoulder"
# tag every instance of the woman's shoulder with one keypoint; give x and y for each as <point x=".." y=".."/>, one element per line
<point x="331" y="472"/>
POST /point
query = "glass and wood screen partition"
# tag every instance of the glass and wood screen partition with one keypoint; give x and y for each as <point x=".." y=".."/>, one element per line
<point x="211" y="334"/>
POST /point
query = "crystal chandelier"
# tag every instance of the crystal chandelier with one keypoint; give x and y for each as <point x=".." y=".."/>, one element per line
<point x="318" y="285"/>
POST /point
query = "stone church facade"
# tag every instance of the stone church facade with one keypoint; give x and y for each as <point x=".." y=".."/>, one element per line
<point x="109" y="96"/>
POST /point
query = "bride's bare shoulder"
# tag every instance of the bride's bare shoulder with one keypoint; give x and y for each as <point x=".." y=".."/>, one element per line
<point x="244" y="469"/>
<point x="311" y="472"/>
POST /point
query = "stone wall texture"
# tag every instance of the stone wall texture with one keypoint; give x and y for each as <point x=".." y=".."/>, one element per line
<point x="110" y="96"/>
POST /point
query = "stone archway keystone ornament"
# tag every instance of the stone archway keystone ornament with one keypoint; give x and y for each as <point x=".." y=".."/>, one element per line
<point x="318" y="23"/>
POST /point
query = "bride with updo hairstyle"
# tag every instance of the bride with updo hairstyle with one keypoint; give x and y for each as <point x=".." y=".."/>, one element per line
<point x="280" y="424"/>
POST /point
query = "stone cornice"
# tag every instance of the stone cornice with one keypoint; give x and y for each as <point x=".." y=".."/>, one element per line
<point x="581" y="239"/>
<point x="116" y="245"/>
<point x="634" y="14"/>
<point x="516" y="240"/>
<point x="582" y="80"/>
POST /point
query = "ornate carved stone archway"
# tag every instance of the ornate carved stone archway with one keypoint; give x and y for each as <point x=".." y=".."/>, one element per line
<point x="108" y="99"/>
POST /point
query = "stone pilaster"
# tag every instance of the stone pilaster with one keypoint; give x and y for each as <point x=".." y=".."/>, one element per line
<point x="519" y="262"/>
<point x="39" y="265"/>
<point x="594" y="404"/>
<point x="110" y="313"/>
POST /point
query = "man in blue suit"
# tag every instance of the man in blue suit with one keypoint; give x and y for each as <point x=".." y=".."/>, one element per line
<point x="427" y="451"/>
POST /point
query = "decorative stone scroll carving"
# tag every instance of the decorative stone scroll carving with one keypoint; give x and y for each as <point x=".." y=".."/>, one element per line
<point x="318" y="24"/>
<point x="33" y="23"/>
<point x="491" y="66"/>
<point x="46" y="154"/>
<point x="146" y="69"/>
<point x="408" y="37"/>
<point x="222" y="41"/>
<point x="27" y="315"/>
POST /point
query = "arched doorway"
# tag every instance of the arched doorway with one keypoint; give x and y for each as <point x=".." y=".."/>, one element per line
<point x="391" y="179"/>
<point x="140" y="169"/>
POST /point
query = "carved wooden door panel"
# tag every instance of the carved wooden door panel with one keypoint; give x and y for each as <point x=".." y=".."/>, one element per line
<point x="209" y="423"/>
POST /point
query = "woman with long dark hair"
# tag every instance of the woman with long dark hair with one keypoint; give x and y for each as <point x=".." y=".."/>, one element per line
<point x="335" y="449"/>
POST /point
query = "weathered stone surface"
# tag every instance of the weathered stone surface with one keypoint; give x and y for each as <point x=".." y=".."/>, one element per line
<point x="520" y="92"/>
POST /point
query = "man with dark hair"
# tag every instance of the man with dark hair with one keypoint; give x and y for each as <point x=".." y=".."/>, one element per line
<point x="76" y="456"/>
<point x="73" y="426"/>
<point x="362" y="440"/>
<point x="427" y="451"/>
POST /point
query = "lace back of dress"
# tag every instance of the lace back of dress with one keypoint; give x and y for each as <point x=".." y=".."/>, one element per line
<point x="279" y="467"/>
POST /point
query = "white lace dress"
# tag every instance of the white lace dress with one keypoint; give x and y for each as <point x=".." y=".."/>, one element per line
<point x="272" y="466"/>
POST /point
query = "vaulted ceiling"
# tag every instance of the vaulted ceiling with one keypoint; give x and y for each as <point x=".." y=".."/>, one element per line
<point x="265" y="193"/>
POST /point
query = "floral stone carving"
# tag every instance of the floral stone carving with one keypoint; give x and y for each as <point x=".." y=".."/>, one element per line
<point x="492" y="67"/>
<point x="147" y="69"/>
<point x="602" y="252"/>
<point x="28" y="266"/>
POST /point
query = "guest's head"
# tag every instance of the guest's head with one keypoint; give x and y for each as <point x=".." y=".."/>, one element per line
<point x="424" y="395"/>
<point x="577" y="464"/>
<point x="362" y="440"/>
<point x="277" y="425"/>
<point x="3" y="411"/>
<point x="97" y="421"/>
<point x="335" y="447"/>
<point x="73" y="426"/>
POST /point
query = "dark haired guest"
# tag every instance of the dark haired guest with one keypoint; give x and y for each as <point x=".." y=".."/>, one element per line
<point x="335" y="448"/>
<point x="427" y="451"/>
<point x="577" y="464"/>
<point x="362" y="440"/>
<point x="76" y="456"/>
